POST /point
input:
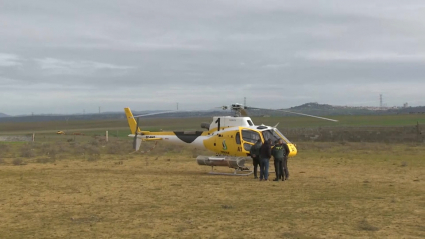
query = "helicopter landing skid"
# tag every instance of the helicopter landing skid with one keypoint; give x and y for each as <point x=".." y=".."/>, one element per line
<point x="236" y="163"/>
<point x="237" y="172"/>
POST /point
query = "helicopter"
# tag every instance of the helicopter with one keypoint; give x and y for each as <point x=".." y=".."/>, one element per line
<point x="229" y="137"/>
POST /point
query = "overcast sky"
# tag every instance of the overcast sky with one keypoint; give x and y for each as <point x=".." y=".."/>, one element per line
<point x="62" y="56"/>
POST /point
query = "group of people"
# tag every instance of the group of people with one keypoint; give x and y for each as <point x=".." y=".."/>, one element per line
<point x="261" y="154"/>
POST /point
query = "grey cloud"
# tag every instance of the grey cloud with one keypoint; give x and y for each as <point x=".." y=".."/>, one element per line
<point x="276" y="53"/>
<point x="9" y="60"/>
<point x="362" y="56"/>
<point x="61" y="67"/>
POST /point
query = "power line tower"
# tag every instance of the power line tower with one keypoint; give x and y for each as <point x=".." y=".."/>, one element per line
<point x="244" y="101"/>
<point x="380" y="101"/>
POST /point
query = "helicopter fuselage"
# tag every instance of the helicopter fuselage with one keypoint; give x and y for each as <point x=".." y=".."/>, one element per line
<point x="226" y="135"/>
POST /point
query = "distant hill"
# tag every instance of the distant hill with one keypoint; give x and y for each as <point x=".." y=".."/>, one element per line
<point x="325" y="109"/>
<point x="410" y="110"/>
<point x="318" y="106"/>
<point x="3" y="115"/>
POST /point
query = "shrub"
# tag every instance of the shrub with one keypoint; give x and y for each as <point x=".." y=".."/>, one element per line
<point x="115" y="148"/>
<point x="93" y="157"/>
<point x="92" y="152"/>
<point x="45" y="160"/>
<point x="226" y="206"/>
<point x="44" y="147"/>
<point x="78" y="149"/>
<point x="48" y="149"/>
<point x="172" y="148"/>
<point x="62" y="149"/>
<point x="4" y="148"/>
<point x="27" y="152"/>
<point x="365" y="226"/>
<point x="95" y="142"/>
<point x="18" y="161"/>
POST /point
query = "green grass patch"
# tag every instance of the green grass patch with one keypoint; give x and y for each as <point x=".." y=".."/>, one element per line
<point x="120" y="127"/>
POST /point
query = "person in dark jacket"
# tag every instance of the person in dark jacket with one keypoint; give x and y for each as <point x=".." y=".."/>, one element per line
<point x="279" y="154"/>
<point x="255" y="155"/>
<point x="265" y="155"/>
<point x="285" y="174"/>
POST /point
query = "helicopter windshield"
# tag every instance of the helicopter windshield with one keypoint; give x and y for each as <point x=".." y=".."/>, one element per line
<point x="282" y="136"/>
<point x="274" y="135"/>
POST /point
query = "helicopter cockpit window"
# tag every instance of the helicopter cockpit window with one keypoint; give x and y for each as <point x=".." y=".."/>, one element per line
<point x="250" y="136"/>
<point x="250" y="122"/>
<point x="270" y="134"/>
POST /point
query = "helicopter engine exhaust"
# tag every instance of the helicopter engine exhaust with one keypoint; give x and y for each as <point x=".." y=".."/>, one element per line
<point x="205" y="126"/>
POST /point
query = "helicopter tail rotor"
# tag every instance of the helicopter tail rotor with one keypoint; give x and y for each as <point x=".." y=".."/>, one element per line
<point x="136" y="141"/>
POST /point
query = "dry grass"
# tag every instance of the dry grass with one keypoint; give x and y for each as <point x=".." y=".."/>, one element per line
<point x="335" y="191"/>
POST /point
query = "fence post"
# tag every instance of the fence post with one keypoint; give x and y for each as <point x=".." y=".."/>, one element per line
<point x="33" y="137"/>
<point x="106" y="136"/>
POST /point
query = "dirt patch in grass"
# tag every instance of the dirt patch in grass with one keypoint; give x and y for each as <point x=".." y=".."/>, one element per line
<point x="366" y="226"/>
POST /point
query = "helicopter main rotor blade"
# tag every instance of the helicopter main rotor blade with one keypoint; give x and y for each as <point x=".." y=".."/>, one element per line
<point x="157" y="113"/>
<point x="287" y="111"/>
<point x="166" y="112"/>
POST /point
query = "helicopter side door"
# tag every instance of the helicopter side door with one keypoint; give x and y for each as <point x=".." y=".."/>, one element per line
<point x="248" y="138"/>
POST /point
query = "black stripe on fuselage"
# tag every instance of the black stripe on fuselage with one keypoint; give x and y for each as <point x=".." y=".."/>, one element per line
<point x="187" y="137"/>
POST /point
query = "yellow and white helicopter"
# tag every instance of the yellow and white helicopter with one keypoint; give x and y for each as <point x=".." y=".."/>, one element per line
<point x="229" y="137"/>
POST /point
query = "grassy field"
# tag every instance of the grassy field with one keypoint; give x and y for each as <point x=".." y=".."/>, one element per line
<point x="76" y="186"/>
<point x="120" y="127"/>
<point x="94" y="189"/>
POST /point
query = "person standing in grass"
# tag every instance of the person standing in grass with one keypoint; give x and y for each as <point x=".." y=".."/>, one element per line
<point x="285" y="172"/>
<point x="255" y="155"/>
<point x="265" y="155"/>
<point x="279" y="154"/>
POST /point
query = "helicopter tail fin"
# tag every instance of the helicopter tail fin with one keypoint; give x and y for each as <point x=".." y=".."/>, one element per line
<point x="131" y="121"/>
